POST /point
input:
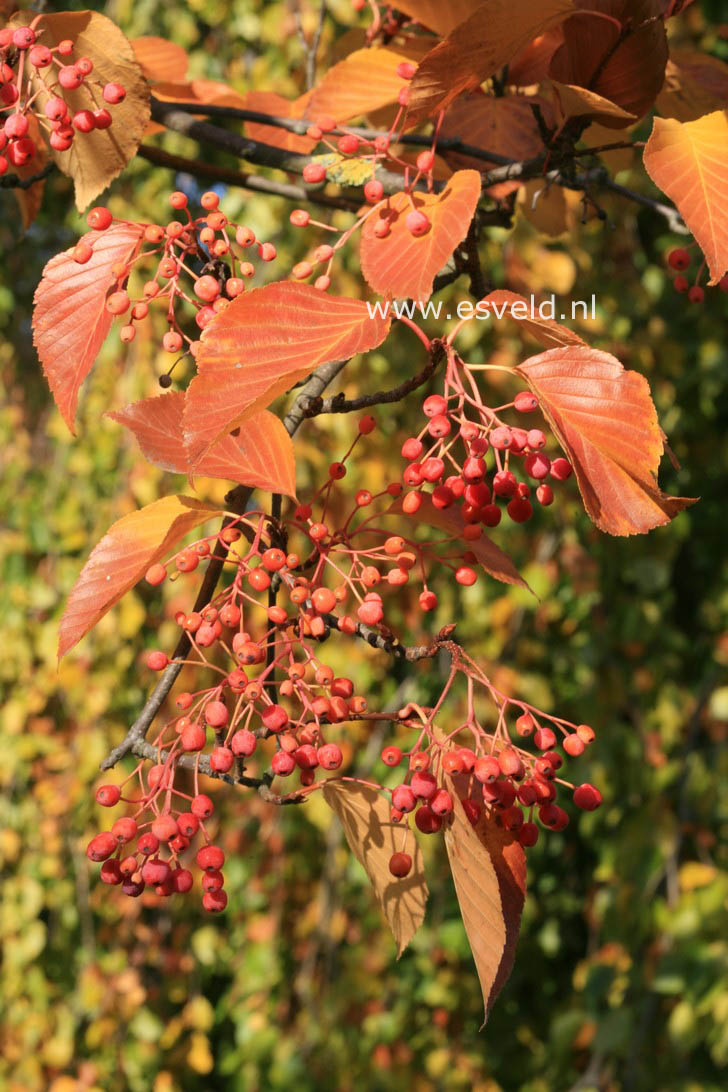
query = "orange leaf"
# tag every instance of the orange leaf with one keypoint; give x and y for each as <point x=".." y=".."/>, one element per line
<point x="438" y="16"/>
<point x="604" y="418"/>
<point x="489" y="871"/>
<point x="450" y="520"/>
<point x="260" y="456"/>
<point x="478" y="48"/>
<point x="624" y="65"/>
<point x="373" y="838"/>
<point x="531" y="65"/>
<point x="364" y="81"/>
<point x="689" y="162"/>
<point x="70" y="321"/>
<point x="695" y="84"/>
<point x="94" y="159"/>
<point x="160" y="60"/>
<point x="262" y="344"/>
<point x="504" y="125"/>
<point x="121" y="559"/>
<point x="501" y="302"/>
<point x="267" y="102"/>
<point x="405" y="265"/>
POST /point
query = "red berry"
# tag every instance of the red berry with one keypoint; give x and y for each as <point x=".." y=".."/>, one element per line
<point x="427" y="821"/>
<point x="696" y="294"/>
<point x="391" y="756"/>
<point x="403" y="798"/>
<point x="283" y="764"/>
<point x="560" y="469"/>
<point x="275" y="718"/>
<point x="101" y="847"/>
<point x="210" y="858"/>
<point x="314" y="173"/>
<point x="373" y="191"/>
<point x="679" y="259"/>
<point x="69" y="78"/>
<point x="108" y="795"/>
<point x="214" y="901"/>
<point x="417" y="223"/>
<point x="23" y="37"/>
<point x="157" y="661"/>
<point x="587" y="797"/>
<point x="216" y="714"/>
<point x="574" y="745"/>
<point x="400" y="864"/>
<point x="528" y="835"/>
<point x="84" y="121"/>
<point x="425" y="161"/>
<point x="681" y="284"/>
<point x="202" y="806"/>
<point x="221" y="759"/>
<point x="114" y="93"/>
<point x="525" y="402"/>
<point x="193" y="737"/>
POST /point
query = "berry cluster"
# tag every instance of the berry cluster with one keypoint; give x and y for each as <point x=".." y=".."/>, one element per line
<point x="203" y="261"/>
<point x="273" y="702"/>
<point x="21" y="99"/>
<point x="679" y="260"/>
<point x="452" y="450"/>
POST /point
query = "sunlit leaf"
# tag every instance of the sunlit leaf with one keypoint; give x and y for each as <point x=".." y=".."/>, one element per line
<point x="605" y="420"/>
<point x="70" y="321"/>
<point x="121" y="559"/>
<point x="364" y="81"/>
<point x="402" y="264"/>
<point x="689" y="162"/>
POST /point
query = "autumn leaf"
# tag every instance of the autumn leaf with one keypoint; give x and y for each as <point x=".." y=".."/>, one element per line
<point x="478" y="48"/>
<point x="488" y="868"/>
<point x="689" y="162"/>
<point x="373" y="838"/>
<point x="623" y="64"/>
<point x="549" y="209"/>
<point x="605" y="421"/>
<point x="70" y="321"/>
<point x="364" y="81"/>
<point x="405" y="265"/>
<point x="261" y="456"/>
<point x="96" y="158"/>
<point x="502" y="303"/>
<point x="160" y="61"/>
<point x="262" y="344"/>
<point x="121" y="559"/>
<point x="531" y="65"/>
<point x="450" y="520"/>
<point x="695" y="84"/>
<point x="505" y="125"/>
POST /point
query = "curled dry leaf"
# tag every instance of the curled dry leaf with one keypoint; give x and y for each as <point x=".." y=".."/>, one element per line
<point x="373" y="838"/>
<point x="489" y="872"/>
<point x="262" y="344"/>
<point x="404" y="265"/>
<point x="70" y="320"/>
<point x="261" y="455"/>
<point x="689" y="162"/>
<point x="605" y="420"/>
<point x="695" y="84"/>
<point x="95" y="159"/>
<point x="121" y="559"/>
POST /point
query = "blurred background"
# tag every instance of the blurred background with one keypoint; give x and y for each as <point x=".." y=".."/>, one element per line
<point x="621" y="975"/>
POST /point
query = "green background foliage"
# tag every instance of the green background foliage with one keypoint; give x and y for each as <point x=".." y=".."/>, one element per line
<point x="621" y="977"/>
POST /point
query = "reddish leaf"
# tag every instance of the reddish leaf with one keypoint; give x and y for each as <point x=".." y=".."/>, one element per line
<point x="260" y="456"/>
<point x="604" y="418"/>
<point x="531" y="65"/>
<point x="625" y="65"/>
<point x="689" y="162"/>
<point x="549" y="333"/>
<point x="489" y="871"/>
<point x="262" y="344"/>
<point x="373" y="838"/>
<point x="695" y="84"/>
<point x="121" y="559"/>
<point x="405" y="265"/>
<point x="478" y="48"/>
<point x="70" y="320"/>
<point x="161" y="61"/>
<point x="504" y="125"/>
<point x="450" y="520"/>
<point x="364" y="81"/>
<point x="267" y="102"/>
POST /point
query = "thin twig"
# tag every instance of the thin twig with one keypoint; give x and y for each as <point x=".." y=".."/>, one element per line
<point x="15" y="182"/>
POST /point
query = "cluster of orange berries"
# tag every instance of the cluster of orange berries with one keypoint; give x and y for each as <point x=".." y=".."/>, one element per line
<point x="20" y="102"/>
<point x="208" y="252"/>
